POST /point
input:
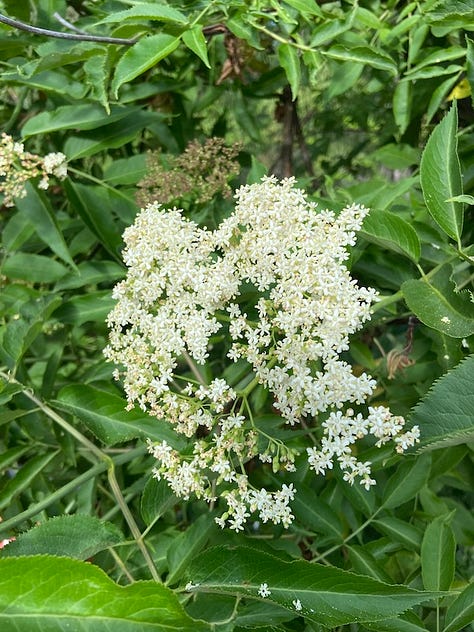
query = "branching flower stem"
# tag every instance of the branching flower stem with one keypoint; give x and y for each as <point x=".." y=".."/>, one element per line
<point x="101" y="456"/>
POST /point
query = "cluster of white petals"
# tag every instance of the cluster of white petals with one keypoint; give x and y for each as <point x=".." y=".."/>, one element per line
<point x="17" y="166"/>
<point x="186" y="284"/>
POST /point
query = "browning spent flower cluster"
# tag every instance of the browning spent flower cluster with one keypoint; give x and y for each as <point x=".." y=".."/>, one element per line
<point x="201" y="171"/>
<point x="186" y="283"/>
<point x="17" y="166"/>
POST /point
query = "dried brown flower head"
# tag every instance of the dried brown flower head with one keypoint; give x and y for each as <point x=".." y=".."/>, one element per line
<point x="200" y="172"/>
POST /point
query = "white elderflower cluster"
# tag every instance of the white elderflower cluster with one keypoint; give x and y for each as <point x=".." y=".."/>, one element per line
<point x="17" y="166"/>
<point x="186" y="284"/>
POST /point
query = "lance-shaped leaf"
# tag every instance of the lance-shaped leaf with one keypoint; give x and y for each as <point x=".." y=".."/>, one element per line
<point x="440" y="175"/>
<point x="105" y="415"/>
<point x="142" y="56"/>
<point x="290" y="62"/>
<point x="393" y="232"/>
<point x="461" y="612"/>
<point x="322" y="594"/>
<point x="436" y="303"/>
<point x="195" y="41"/>
<point x="77" y="536"/>
<point x="445" y="413"/>
<point x="438" y="551"/>
<point x="363" y="55"/>
<point x="58" y="594"/>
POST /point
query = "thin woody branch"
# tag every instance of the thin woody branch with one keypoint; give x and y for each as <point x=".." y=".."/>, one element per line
<point x="68" y="36"/>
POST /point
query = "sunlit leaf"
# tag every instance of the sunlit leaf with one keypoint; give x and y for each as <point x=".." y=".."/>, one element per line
<point x="59" y="594"/>
<point x="328" y="595"/>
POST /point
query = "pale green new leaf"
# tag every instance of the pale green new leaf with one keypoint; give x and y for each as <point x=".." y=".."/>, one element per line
<point x="195" y="41"/>
<point x="328" y="595"/>
<point x="391" y="231"/>
<point x="445" y="413"/>
<point x="435" y="302"/>
<point x="440" y="175"/>
<point x="142" y="56"/>
<point x="290" y="62"/>
<point x="461" y="612"/>
<point x="78" y="536"/>
<point x="55" y="594"/>
<point x="438" y="551"/>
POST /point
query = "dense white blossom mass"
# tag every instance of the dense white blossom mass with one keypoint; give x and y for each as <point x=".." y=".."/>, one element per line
<point x="185" y="284"/>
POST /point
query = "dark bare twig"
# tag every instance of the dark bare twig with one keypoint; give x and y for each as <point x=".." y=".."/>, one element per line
<point x="69" y="36"/>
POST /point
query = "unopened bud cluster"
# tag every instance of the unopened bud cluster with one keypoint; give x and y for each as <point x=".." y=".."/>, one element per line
<point x="17" y="166"/>
<point x="186" y="284"/>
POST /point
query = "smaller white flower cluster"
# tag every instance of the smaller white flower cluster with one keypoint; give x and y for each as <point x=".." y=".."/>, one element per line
<point x="17" y="166"/>
<point x="186" y="284"/>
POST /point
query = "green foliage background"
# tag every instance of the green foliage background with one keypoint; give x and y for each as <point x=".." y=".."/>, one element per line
<point x="369" y="101"/>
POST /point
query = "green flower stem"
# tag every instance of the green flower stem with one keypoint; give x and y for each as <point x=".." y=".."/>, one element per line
<point x="336" y="547"/>
<point x="101" y="183"/>
<point x="281" y="39"/>
<point x="193" y="367"/>
<point x="35" y="509"/>
<point x="118" y="560"/>
<point x="109" y="465"/>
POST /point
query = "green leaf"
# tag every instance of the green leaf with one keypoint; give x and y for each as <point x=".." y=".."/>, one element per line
<point x="305" y="6"/>
<point x="438" y="551"/>
<point x="445" y="414"/>
<point x="391" y="231"/>
<point x="24" y="478"/>
<point x="363" y="55"/>
<point x="105" y="415"/>
<point x="195" y="41"/>
<point x="315" y="514"/>
<point x="147" y="11"/>
<point x="56" y="594"/>
<point x="92" y="307"/>
<point x="436" y="303"/>
<point x="89" y="203"/>
<point x="440" y="175"/>
<point x="25" y="326"/>
<point x="156" y="499"/>
<point x="328" y="31"/>
<point x="142" y="56"/>
<point x="77" y="536"/>
<point x="110" y="135"/>
<point x="33" y="268"/>
<point x="400" y="531"/>
<point x="407" y="481"/>
<point x="402" y="102"/>
<point x="36" y="207"/>
<point x="126" y="170"/>
<point x="437" y="57"/>
<point x="328" y="595"/>
<point x="91" y="273"/>
<point x="187" y="545"/>
<point x="364" y="563"/>
<point x="82" y="117"/>
<point x="461" y="612"/>
<point x="290" y="62"/>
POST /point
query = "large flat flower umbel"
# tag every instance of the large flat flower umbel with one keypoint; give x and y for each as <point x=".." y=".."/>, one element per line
<point x="184" y="285"/>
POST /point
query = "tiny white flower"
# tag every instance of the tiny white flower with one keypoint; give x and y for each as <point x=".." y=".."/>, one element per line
<point x="297" y="604"/>
<point x="263" y="591"/>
